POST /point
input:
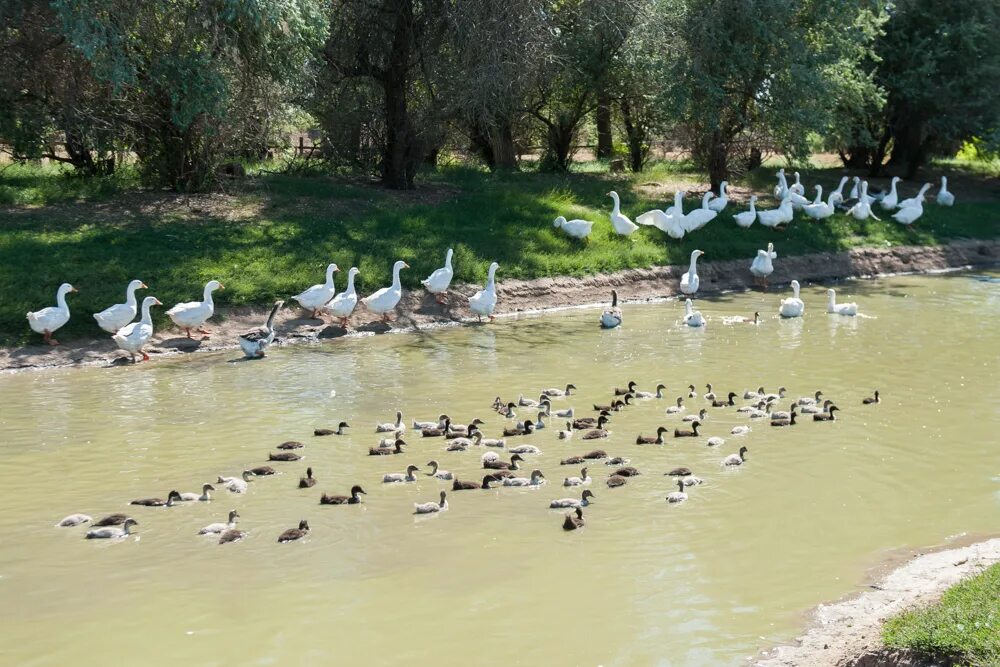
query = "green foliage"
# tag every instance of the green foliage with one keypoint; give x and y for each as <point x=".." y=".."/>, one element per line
<point x="963" y="627"/>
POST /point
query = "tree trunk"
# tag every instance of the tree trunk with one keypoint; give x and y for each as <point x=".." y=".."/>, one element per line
<point x="502" y="145"/>
<point x="399" y="154"/>
<point x="638" y="150"/>
<point x="717" y="158"/>
<point x="909" y="147"/>
<point x="559" y="144"/>
<point x="480" y="139"/>
<point x="605" y="140"/>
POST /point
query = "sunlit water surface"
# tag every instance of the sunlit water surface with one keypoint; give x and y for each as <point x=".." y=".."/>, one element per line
<point x="708" y="582"/>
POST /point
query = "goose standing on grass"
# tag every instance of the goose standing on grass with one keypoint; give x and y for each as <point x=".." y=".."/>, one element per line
<point x="781" y="189"/>
<point x="484" y="302"/>
<point x="908" y="214"/>
<point x="719" y="203"/>
<point x="762" y="267"/>
<point x="386" y="299"/>
<point x="776" y="216"/>
<point x="890" y="201"/>
<point x="194" y="314"/>
<point x="113" y="318"/>
<point x="700" y="217"/>
<point x="578" y="229"/>
<point x="256" y="341"/>
<point x="835" y="308"/>
<point x="438" y="282"/>
<point x="690" y="280"/>
<point x="818" y="210"/>
<point x="622" y="225"/>
<point x="133" y="337"/>
<point x="612" y="317"/>
<point x="47" y="320"/>
<point x="431" y="507"/>
<point x="670" y="222"/>
<point x="837" y="195"/>
<point x="746" y="218"/>
<point x="919" y="199"/>
<point x="317" y="296"/>
<point x="112" y="533"/>
<point x="343" y="305"/>
<point x="945" y="198"/>
<point x="692" y="318"/>
<point x="797" y="186"/>
<point x="793" y="306"/>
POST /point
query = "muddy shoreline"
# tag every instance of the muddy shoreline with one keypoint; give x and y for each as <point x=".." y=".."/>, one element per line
<point x="848" y="633"/>
<point x="418" y="310"/>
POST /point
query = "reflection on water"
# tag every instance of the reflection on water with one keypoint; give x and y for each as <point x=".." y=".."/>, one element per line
<point x="705" y="583"/>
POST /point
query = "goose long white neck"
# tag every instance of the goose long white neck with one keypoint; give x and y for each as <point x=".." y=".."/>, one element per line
<point x="447" y="259"/>
<point x="753" y="204"/>
<point x="693" y="269"/>
<point x="130" y="295"/>
<point x="146" y="317"/>
<point x="207" y="295"/>
<point x="892" y="188"/>
<point x="840" y="187"/>
<point x="61" y="298"/>
<point x="678" y="203"/>
<point x="491" y="279"/>
<point x="795" y="289"/>
<point x="819" y="194"/>
<point x="616" y="209"/>
<point x="350" y="282"/>
<point x="395" y="277"/>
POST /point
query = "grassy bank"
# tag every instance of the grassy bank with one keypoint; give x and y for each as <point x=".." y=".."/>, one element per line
<point x="964" y="627"/>
<point x="274" y="234"/>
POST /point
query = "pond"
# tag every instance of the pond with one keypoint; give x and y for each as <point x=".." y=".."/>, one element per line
<point x="706" y="582"/>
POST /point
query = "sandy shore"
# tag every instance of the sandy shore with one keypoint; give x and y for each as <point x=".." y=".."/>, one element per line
<point x="847" y="633"/>
<point x="419" y="310"/>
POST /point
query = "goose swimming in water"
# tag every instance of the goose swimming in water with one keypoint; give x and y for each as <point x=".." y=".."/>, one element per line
<point x="674" y="409"/>
<point x="283" y="456"/>
<point x="599" y="432"/>
<point x="790" y="421"/>
<point x="834" y="308"/>
<point x="353" y="499"/>
<point x="396" y="448"/>
<point x="408" y="476"/>
<point x="684" y="433"/>
<point x="112" y="533"/>
<point x="157" y="502"/>
<point x="574" y="522"/>
<point x="793" y="306"/>
<point x="584" y="478"/>
<point x="204" y="496"/>
<point x="615" y="481"/>
<point x="293" y="534"/>
<point x="111" y="520"/>
<point x="237" y="484"/>
<point x="582" y="501"/>
<point x="649" y="394"/>
<point x="827" y="416"/>
<point x="432" y="507"/>
<point x="872" y="400"/>
<point x="74" y="520"/>
<point x="536" y="479"/>
<point x="308" y="481"/>
<point x="690" y="281"/>
<point x="290" y="444"/>
<point x="340" y="430"/>
<point x="492" y="462"/>
<point x="650" y="440"/>
<point x="438" y="473"/>
<point x="810" y="400"/>
<point x="816" y="408"/>
<point x="612" y="317"/>
<point x="218" y="528"/>
<point x="736" y="459"/>
<point x="388" y="427"/>
<point x="679" y="495"/>
<point x="456" y="485"/>
<point x="700" y="417"/>
<point x="232" y="535"/>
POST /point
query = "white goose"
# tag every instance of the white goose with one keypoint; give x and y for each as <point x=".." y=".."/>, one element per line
<point x="944" y="197"/>
<point x="113" y="318"/>
<point x="193" y="314"/>
<point x="776" y="216"/>
<point x="719" y="203"/>
<point x="623" y="226"/>
<point x="47" y="320"/>
<point x="690" y="281"/>
<point x="387" y="298"/>
<point x="612" y="317"/>
<point x="578" y="229"/>
<point x="908" y="214"/>
<point x="781" y="189"/>
<point x="890" y="201"/>
<point x="343" y="305"/>
<point x="818" y="210"/>
<point x="699" y="217"/>
<point x="862" y="210"/>
<point x="797" y="186"/>
<point x="256" y="341"/>
<point x="692" y="318"/>
<point x="919" y="199"/>
<point x="793" y="306"/>
<point x="484" y="301"/>
<point x="318" y="295"/>
<point x="838" y="194"/>
<point x="133" y="337"/>
<point x="762" y="267"/>
<point x="438" y="282"/>
<point x="835" y="308"/>
<point x="669" y="222"/>
<point x="746" y="218"/>
<point x="855" y="188"/>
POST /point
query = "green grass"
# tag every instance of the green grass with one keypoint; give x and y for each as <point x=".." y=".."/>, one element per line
<point x="964" y="627"/>
<point x="274" y="235"/>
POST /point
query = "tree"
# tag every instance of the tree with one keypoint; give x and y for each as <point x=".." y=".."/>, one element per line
<point x="761" y="66"/>
<point x="941" y="70"/>
<point x="183" y="71"/>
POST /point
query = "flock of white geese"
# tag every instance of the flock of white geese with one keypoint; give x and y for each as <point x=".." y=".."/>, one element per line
<point x="504" y="460"/>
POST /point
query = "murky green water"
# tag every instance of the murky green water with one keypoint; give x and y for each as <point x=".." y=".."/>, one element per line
<point x="495" y="578"/>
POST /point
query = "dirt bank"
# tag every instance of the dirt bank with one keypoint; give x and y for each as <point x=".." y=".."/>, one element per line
<point x="418" y="309"/>
<point x="847" y="633"/>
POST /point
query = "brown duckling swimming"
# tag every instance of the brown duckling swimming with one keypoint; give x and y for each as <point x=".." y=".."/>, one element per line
<point x="595" y="454"/>
<point x="283" y="456"/>
<point x="466" y="486"/>
<point x="573" y="522"/>
<point x="616" y="481"/>
<point x="684" y="433"/>
<point x="111" y="520"/>
<point x="827" y="416"/>
<point x="572" y="461"/>
<point x="352" y="499"/>
<point x="497" y="464"/>
<point x="263" y="471"/>
<point x="627" y="471"/>
<point x="293" y="534"/>
<point x="599" y="432"/>
<point x="326" y="431"/>
<point x="397" y="448"/>
<point x="786" y="422"/>
<point x="308" y="481"/>
<point x="722" y="404"/>
<point x="617" y="461"/>
<point x="631" y="388"/>
<point x="680" y="472"/>
<point x="157" y="502"/>
<point x="527" y="428"/>
<point x="231" y="535"/>
<point x="872" y="400"/>
<point x="650" y="440"/>
<point x="290" y="444"/>
<point x="584" y="423"/>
